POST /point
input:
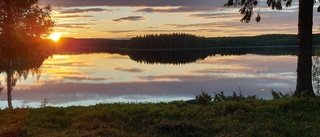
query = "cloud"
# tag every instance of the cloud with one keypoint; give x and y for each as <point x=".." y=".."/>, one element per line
<point x="121" y="31"/>
<point x="129" y="18"/>
<point x="72" y="16"/>
<point x="176" y="9"/>
<point x="132" y="3"/>
<point x="195" y="25"/>
<point x="82" y="78"/>
<point x="162" y="31"/>
<point x="74" y="26"/>
<point x="77" y="10"/>
<point x="130" y="69"/>
<point x="213" y="15"/>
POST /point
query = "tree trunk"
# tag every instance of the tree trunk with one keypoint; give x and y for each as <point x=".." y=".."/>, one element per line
<point x="9" y="84"/>
<point x="304" y="67"/>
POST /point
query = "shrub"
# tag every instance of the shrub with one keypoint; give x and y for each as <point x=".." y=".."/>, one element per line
<point x="203" y="99"/>
<point x="279" y="95"/>
<point x="234" y="97"/>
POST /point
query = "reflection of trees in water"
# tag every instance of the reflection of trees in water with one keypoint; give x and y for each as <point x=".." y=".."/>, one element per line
<point x="168" y="57"/>
<point x="176" y="56"/>
<point x="316" y="70"/>
<point x="17" y="66"/>
<point x="188" y="56"/>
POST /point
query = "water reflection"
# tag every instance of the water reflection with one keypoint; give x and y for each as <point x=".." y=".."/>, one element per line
<point x="16" y="66"/>
<point x="86" y="79"/>
<point x="169" y="57"/>
<point x="188" y="56"/>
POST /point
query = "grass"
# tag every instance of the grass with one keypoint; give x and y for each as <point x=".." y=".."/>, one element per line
<point x="247" y="117"/>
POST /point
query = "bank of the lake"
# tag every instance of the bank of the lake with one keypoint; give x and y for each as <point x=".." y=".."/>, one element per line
<point x="251" y="117"/>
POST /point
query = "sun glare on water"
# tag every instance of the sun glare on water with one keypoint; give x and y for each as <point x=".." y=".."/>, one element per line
<point x="55" y="36"/>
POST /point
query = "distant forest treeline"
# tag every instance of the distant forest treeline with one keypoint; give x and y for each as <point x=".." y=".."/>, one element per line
<point x="184" y="48"/>
<point x="167" y="41"/>
<point x="182" y="41"/>
<point x="178" y="41"/>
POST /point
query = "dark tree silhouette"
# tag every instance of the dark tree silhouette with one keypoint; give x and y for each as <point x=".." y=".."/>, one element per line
<point x="167" y="41"/>
<point x="304" y="67"/>
<point x="23" y="23"/>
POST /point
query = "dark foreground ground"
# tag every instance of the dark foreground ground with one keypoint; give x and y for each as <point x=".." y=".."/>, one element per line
<point x="249" y="117"/>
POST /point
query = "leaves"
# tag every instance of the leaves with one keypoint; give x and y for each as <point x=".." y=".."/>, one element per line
<point x="248" y="5"/>
<point x="21" y="19"/>
<point x="275" y="4"/>
<point x="258" y="18"/>
<point x="247" y="17"/>
<point x="229" y="3"/>
<point x="288" y="3"/>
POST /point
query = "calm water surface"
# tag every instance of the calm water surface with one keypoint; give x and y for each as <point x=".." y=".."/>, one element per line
<point x="89" y="79"/>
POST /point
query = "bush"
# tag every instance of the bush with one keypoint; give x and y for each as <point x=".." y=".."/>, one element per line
<point x="234" y="97"/>
<point x="203" y="99"/>
<point x="279" y="95"/>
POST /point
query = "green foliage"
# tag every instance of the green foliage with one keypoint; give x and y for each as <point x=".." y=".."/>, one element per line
<point x="279" y="95"/>
<point x="13" y="122"/>
<point x="280" y="117"/>
<point x="24" y="20"/>
<point x="234" y="97"/>
<point x="203" y="98"/>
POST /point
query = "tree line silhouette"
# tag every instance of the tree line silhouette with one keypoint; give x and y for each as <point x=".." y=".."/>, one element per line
<point x="172" y="41"/>
<point x="179" y="41"/>
<point x="179" y="48"/>
<point x="185" y="41"/>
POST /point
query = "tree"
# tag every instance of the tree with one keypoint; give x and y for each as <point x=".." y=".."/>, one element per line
<point x="23" y="23"/>
<point x="304" y="65"/>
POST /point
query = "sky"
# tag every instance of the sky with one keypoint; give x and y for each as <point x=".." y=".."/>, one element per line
<point x="123" y="19"/>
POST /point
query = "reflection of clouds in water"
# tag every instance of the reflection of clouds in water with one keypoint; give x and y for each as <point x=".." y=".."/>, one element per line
<point x="257" y="65"/>
<point x="62" y="72"/>
<point x="116" y="56"/>
<point x="128" y="81"/>
<point x="130" y="69"/>
<point x="62" y="64"/>
<point x="160" y="78"/>
<point x="66" y="92"/>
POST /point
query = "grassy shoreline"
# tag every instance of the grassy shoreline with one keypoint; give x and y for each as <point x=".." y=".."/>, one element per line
<point x="249" y="117"/>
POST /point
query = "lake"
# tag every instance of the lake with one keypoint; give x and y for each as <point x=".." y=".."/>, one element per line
<point x="88" y="79"/>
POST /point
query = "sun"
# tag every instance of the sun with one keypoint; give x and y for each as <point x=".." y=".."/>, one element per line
<point x="55" y="36"/>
